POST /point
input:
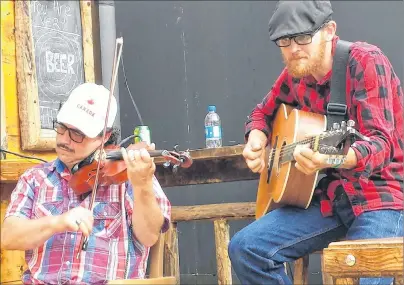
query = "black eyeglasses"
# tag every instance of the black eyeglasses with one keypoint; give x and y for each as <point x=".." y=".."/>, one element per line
<point x="74" y="135"/>
<point x="302" y="39"/>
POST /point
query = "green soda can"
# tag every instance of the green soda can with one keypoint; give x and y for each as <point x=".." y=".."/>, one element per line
<point x="142" y="134"/>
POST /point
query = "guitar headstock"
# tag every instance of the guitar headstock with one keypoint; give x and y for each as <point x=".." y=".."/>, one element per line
<point x="339" y="138"/>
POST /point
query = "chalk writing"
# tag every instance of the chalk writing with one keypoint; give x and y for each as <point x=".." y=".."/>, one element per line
<point x="56" y="29"/>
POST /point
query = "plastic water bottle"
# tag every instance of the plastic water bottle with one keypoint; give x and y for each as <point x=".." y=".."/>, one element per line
<point x="213" y="128"/>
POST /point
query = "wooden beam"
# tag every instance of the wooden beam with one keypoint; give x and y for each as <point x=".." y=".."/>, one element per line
<point x="209" y="166"/>
<point x="222" y="238"/>
<point x="213" y="211"/>
<point x="11" y="169"/>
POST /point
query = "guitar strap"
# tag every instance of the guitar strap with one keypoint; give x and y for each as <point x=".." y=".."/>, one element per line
<point x="337" y="108"/>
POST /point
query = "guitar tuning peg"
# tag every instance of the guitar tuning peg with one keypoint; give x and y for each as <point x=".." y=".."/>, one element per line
<point x="166" y="164"/>
<point x="343" y="125"/>
<point x="335" y="126"/>
<point x="176" y="148"/>
<point x="351" y="123"/>
<point x="175" y="168"/>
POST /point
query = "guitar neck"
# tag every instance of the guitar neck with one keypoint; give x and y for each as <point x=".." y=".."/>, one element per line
<point x="288" y="150"/>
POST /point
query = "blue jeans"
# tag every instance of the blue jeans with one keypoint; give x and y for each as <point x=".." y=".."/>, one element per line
<point x="258" y="251"/>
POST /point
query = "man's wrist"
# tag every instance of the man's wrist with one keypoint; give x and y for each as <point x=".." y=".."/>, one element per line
<point x="258" y="134"/>
<point x="142" y="187"/>
<point x="55" y="224"/>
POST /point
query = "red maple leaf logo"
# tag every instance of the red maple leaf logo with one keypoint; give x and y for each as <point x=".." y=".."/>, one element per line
<point x="90" y="101"/>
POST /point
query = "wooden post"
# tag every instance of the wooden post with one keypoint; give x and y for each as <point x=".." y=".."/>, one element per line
<point x="3" y="139"/>
<point x="12" y="261"/>
<point x="301" y="274"/>
<point x="171" y="256"/>
<point x="222" y="238"/>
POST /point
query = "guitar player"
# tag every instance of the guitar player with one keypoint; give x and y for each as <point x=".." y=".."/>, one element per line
<point x="361" y="198"/>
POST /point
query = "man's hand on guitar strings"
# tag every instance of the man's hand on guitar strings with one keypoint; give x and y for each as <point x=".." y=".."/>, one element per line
<point x="308" y="161"/>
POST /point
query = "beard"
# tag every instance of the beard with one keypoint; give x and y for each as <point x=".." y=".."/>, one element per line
<point x="300" y="65"/>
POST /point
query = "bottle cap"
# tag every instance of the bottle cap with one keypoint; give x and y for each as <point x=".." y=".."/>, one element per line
<point x="212" y="108"/>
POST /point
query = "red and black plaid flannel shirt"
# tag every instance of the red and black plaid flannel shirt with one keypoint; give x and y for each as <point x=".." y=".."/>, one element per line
<point x="375" y="103"/>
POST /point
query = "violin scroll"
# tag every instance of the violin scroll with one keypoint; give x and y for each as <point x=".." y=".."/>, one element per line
<point x="177" y="159"/>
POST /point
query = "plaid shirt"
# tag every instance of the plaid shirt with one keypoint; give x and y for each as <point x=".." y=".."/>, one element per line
<point x="375" y="103"/>
<point x="43" y="191"/>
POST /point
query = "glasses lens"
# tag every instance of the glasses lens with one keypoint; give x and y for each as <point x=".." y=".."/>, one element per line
<point x="59" y="128"/>
<point x="303" y="39"/>
<point x="283" y="42"/>
<point x="76" y="136"/>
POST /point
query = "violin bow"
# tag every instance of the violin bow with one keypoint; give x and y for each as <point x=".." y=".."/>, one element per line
<point x="117" y="59"/>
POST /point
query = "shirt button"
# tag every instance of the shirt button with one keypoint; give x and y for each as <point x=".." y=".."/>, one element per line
<point x="67" y="262"/>
<point x="105" y="213"/>
<point x="72" y="236"/>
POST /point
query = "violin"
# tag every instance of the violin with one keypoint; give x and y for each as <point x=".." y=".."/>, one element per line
<point x="112" y="168"/>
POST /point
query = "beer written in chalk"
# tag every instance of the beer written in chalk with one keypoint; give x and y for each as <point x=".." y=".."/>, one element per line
<point x="142" y="134"/>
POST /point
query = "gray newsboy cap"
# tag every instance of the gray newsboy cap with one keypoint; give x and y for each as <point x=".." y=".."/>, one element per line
<point x="298" y="17"/>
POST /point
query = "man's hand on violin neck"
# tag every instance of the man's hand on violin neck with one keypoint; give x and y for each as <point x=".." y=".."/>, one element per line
<point x="140" y="166"/>
<point x="77" y="219"/>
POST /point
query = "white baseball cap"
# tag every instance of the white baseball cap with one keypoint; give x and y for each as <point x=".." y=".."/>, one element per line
<point x="86" y="109"/>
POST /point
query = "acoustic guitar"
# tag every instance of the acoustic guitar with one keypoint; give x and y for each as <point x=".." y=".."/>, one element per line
<point x="281" y="183"/>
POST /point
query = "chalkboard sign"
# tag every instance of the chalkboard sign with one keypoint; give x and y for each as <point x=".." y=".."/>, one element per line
<point x="58" y="46"/>
<point x="54" y="55"/>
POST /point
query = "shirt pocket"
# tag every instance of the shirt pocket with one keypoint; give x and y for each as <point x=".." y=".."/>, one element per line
<point x="107" y="220"/>
<point x="48" y="208"/>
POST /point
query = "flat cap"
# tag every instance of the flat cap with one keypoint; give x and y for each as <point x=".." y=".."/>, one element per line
<point x="291" y="18"/>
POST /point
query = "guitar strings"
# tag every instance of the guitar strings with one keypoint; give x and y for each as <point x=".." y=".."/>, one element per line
<point x="288" y="148"/>
<point x="310" y="140"/>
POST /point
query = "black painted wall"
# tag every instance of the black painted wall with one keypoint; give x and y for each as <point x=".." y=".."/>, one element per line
<point x="180" y="57"/>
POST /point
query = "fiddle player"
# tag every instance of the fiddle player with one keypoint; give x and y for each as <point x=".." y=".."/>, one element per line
<point x="362" y="198"/>
<point x="46" y="219"/>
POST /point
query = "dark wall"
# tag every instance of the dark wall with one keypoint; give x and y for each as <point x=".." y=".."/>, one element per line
<point x="180" y="57"/>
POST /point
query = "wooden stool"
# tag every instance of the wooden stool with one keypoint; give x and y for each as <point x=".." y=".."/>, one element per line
<point x="344" y="262"/>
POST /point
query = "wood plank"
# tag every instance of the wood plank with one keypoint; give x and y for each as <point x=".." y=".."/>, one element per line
<point x="8" y="47"/>
<point x="12" y="169"/>
<point x="3" y="134"/>
<point x="204" y="171"/>
<point x="374" y="243"/>
<point x="12" y="261"/>
<point x="171" y="254"/>
<point x="28" y="100"/>
<point x="86" y="8"/>
<point x="222" y="239"/>
<point x="376" y="259"/>
<point x="301" y="271"/>
<point x="152" y="281"/>
<point x="213" y="211"/>
<point x="209" y="166"/>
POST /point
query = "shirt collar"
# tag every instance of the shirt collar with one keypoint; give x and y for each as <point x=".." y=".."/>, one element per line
<point x="62" y="169"/>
